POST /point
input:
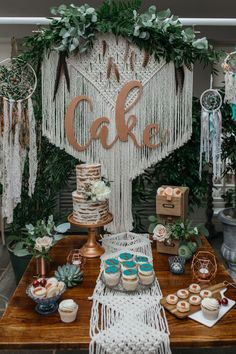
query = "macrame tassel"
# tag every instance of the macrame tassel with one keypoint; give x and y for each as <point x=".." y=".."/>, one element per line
<point x="210" y="144"/>
<point x="33" y="162"/>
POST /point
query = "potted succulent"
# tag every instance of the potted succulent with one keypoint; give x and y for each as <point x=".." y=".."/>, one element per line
<point x="35" y="241"/>
<point x="179" y="238"/>
<point x="228" y="215"/>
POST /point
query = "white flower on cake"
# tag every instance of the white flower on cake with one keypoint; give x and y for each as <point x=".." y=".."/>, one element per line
<point x="160" y="233"/>
<point x="43" y="243"/>
<point x="98" y="191"/>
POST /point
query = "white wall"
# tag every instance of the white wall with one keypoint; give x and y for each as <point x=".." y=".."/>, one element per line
<point x="5" y="48"/>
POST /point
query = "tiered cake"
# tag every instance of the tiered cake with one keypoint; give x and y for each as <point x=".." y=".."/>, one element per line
<point x="85" y="210"/>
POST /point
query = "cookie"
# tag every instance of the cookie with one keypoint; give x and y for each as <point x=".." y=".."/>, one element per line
<point x="195" y="300"/>
<point x="39" y="292"/>
<point x="52" y="291"/>
<point x="194" y="288"/>
<point x="183" y="293"/>
<point x="205" y="293"/>
<point x="172" y="299"/>
<point x="183" y="306"/>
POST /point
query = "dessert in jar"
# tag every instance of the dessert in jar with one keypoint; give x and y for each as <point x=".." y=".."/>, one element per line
<point x="146" y="274"/>
<point x="130" y="279"/>
<point x="210" y="308"/>
<point x="88" y="210"/>
<point x="111" y="275"/>
<point x="68" y="310"/>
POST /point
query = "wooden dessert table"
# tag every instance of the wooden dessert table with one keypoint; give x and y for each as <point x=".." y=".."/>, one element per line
<point x="22" y="328"/>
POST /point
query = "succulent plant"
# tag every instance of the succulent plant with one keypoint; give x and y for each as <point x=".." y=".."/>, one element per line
<point x="70" y="274"/>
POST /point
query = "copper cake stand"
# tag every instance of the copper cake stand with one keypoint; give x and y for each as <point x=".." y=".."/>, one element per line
<point x="91" y="248"/>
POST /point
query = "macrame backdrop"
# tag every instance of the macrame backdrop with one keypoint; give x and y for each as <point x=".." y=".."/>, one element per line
<point x="127" y="322"/>
<point x="161" y="103"/>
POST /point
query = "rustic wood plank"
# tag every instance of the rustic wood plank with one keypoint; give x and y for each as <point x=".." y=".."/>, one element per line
<point x="22" y="328"/>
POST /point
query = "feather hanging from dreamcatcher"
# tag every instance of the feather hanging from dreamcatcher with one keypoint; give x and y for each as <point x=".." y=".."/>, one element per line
<point x="17" y="133"/>
<point x="211" y="129"/>
<point x="229" y="66"/>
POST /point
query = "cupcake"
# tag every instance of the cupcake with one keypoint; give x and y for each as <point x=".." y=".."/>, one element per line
<point x="141" y="260"/>
<point x="183" y="306"/>
<point x="126" y="256"/>
<point x="111" y="275"/>
<point x="210" y="308"/>
<point x="130" y="279"/>
<point x="172" y="299"/>
<point x="146" y="274"/>
<point x="195" y="300"/>
<point x="128" y="265"/>
<point x="112" y="262"/>
<point x="68" y="310"/>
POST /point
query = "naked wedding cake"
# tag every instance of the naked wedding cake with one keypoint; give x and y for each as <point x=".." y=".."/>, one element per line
<point x="90" y="200"/>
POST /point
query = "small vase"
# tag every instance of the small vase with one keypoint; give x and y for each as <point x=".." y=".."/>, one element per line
<point x="42" y="266"/>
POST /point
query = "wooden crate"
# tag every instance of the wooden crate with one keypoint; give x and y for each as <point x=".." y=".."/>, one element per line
<point x="176" y="207"/>
<point x="163" y="248"/>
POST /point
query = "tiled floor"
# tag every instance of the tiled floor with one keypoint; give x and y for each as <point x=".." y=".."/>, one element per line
<point x="7" y="286"/>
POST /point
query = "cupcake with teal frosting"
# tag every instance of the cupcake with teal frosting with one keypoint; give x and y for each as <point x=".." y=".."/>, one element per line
<point x="146" y="273"/>
<point x="141" y="260"/>
<point x="130" y="279"/>
<point x="125" y="256"/>
<point x="112" y="262"/>
<point x="111" y="275"/>
<point x="128" y="265"/>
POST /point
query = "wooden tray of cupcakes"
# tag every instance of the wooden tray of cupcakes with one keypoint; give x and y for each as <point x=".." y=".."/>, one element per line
<point x="188" y="301"/>
<point x="128" y="272"/>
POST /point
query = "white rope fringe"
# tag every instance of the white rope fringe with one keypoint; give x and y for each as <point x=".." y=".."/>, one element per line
<point x="126" y="323"/>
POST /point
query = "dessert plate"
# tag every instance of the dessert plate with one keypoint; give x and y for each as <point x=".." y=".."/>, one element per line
<point x="198" y="316"/>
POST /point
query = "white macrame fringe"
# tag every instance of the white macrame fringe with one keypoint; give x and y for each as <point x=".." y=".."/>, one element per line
<point x="210" y="145"/>
<point x="13" y="156"/>
<point x="126" y="323"/>
<point x="230" y="87"/>
<point x="159" y="104"/>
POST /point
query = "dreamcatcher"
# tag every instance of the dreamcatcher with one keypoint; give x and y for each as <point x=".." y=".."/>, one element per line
<point x="17" y="131"/>
<point x="211" y="127"/>
<point x="229" y="66"/>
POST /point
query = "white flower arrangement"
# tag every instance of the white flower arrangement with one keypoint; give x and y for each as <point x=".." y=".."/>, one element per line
<point x="160" y="233"/>
<point x="98" y="191"/>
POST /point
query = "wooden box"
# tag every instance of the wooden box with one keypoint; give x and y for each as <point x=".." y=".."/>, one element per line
<point x="176" y="207"/>
<point x="163" y="248"/>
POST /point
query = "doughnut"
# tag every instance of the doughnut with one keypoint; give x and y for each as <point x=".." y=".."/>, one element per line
<point x="195" y="300"/>
<point x="183" y="306"/>
<point x="172" y="299"/>
<point x="183" y="293"/>
<point x="194" y="288"/>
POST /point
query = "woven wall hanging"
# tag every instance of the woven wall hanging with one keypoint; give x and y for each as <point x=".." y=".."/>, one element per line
<point x="131" y="112"/>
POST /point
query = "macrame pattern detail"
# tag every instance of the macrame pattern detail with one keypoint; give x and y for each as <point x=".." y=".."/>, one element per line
<point x="159" y="104"/>
<point x="128" y="323"/>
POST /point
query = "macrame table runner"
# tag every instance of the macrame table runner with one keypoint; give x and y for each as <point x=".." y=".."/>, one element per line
<point x="161" y="103"/>
<point x="127" y="322"/>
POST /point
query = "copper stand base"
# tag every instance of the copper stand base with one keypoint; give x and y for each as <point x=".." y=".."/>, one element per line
<point x="91" y="248"/>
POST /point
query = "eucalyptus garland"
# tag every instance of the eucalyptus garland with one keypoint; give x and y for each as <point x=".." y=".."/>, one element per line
<point x="158" y="33"/>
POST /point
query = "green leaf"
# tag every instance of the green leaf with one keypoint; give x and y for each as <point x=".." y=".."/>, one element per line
<point x="201" y="43"/>
<point x="151" y="227"/>
<point x="21" y="252"/>
<point x="152" y="218"/>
